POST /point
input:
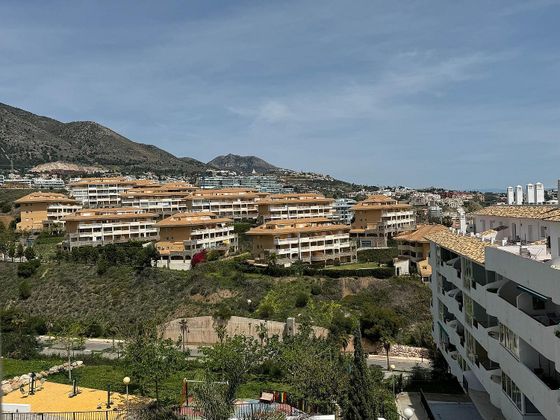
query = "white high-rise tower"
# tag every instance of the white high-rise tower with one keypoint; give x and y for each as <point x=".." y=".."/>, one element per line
<point x="539" y="193"/>
<point x="510" y="197"/>
<point x="530" y="194"/>
<point x="519" y="195"/>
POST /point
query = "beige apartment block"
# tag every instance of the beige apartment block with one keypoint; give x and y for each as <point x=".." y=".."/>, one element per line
<point x="184" y="234"/>
<point x="164" y="199"/>
<point x="235" y="203"/>
<point x="313" y="240"/>
<point x="294" y="206"/>
<point x="104" y="192"/>
<point x="414" y="247"/>
<point x="379" y="218"/>
<point x="110" y="225"/>
<point x="39" y="210"/>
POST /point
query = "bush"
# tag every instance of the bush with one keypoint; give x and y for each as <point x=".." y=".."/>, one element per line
<point x="380" y="256"/>
<point x="94" y="330"/>
<point x="19" y="346"/>
<point x="24" y="290"/>
<point x="27" y="269"/>
<point x="102" y="266"/>
<point x="316" y="289"/>
<point x="301" y="300"/>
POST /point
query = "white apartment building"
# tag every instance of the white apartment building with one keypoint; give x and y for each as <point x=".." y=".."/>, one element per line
<point x="104" y="192"/>
<point x="182" y="235"/>
<point x="533" y="194"/>
<point x="343" y="210"/>
<point x="164" y="199"/>
<point x="110" y="225"/>
<point x="317" y="241"/>
<point x="496" y="308"/>
<point x="235" y="203"/>
<point x="54" y="183"/>
<point x="262" y="183"/>
<point x="294" y="206"/>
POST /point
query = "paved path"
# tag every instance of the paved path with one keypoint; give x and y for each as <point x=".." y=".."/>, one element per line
<point x="412" y="400"/>
<point x="402" y="364"/>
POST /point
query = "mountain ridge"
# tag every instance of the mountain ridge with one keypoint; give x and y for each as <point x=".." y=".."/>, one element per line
<point x="242" y="164"/>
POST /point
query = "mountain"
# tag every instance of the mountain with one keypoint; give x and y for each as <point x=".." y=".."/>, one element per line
<point x="242" y="164"/>
<point x="27" y="140"/>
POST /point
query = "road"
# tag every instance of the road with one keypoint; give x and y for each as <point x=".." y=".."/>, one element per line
<point x="402" y="364"/>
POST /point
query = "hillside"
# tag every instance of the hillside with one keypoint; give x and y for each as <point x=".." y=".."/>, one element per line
<point x="242" y="164"/>
<point x="27" y="140"/>
<point x="121" y="296"/>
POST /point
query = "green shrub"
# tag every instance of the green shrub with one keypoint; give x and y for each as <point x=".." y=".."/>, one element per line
<point x="24" y="290"/>
<point x="19" y="346"/>
<point x="380" y="255"/>
<point x="301" y="300"/>
<point x="316" y="289"/>
<point x="27" y="269"/>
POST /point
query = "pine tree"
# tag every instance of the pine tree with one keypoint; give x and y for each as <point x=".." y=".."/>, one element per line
<point x="361" y="404"/>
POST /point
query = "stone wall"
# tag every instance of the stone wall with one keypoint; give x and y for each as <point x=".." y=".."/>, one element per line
<point x="201" y="329"/>
<point x="399" y="350"/>
<point x="13" y="384"/>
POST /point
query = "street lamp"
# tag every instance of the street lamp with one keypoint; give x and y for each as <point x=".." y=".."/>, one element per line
<point x="126" y="381"/>
<point x="408" y="412"/>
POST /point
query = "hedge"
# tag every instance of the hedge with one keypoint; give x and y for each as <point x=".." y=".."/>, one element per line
<point x="277" y="271"/>
<point x="378" y="255"/>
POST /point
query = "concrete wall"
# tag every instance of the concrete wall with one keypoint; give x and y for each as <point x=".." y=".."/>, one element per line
<point x="201" y="330"/>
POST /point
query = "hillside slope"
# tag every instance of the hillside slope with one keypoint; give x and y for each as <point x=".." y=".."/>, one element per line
<point x="27" y="139"/>
<point x="242" y="164"/>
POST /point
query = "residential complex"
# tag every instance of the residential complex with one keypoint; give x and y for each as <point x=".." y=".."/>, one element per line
<point x="318" y="241"/>
<point x="184" y="234"/>
<point x="531" y="194"/>
<point x="496" y="308"/>
<point x="164" y="199"/>
<point x="261" y="183"/>
<point x="41" y="209"/>
<point x="343" y="210"/>
<point x="104" y="192"/>
<point x="294" y="206"/>
<point x="415" y="248"/>
<point x="110" y="225"/>
<point x="235" y="203"/>
<point x="379" y="218"/>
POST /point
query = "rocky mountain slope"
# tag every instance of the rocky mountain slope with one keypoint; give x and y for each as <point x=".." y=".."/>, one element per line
<point x="27" y="140"/>
<point x="242" y="164"/>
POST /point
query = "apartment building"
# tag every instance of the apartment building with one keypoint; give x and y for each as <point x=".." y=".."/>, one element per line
<point x="39" y="210"/>
<point x="294" y="206"/>
<point x="343" y="210"/>
<point x="110" y="225"/>
<point x="184" y="234"/>
<point x="104" y="192"/>
<point x="235" y="203"/>
<point x="415" y="248"/>
<point x="379" y="218"/>
<point x="496" y="308"/>
<point x="318" y="241"/>
<point x="164" y="199"/>
<point x="262" y="183"/>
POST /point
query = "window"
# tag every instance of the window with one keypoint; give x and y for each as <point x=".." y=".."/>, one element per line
<point x="512" y="391"/>
<point x="468" y="276"/>
<point x="509" y="340"/>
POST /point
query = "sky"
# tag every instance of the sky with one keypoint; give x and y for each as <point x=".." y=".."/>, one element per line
<point x="416" y="93"/>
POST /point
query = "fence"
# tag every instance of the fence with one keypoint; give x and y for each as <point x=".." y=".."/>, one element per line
<point x="81" y="415"/>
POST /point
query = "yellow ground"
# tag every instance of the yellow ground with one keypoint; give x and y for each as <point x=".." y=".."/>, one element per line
<point x="54" y="397"/>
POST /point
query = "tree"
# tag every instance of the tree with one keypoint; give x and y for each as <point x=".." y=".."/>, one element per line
<point x="382" y="325"/>
<point x="24" y="290"/>
<point x="151" y="359"/>
<point x="211" y="398"/>
<point x="360" y="405"/>
<point x="19" y="251"/>
<point x="12" y="250"/>
<point x="232" y="360"/>
<point x="29" y="253"/>
<point x="71" y="336"/>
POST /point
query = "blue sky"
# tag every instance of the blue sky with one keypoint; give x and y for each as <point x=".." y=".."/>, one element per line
<point x="456" y="94"/>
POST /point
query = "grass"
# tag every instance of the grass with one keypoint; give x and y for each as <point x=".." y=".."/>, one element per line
<point x="13" y="367"/>
<point x="354" y="266"/>
<point x="45" y="246"/>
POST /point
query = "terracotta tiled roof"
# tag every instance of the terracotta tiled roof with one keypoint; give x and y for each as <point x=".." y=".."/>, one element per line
<point x="45" y="197"/>
<point x="466" y="246"/>
<point x="193" y="219"/>
<point x="315" y="224"/>
<point x="419" y="234"/>
<point x="521" y="212"/>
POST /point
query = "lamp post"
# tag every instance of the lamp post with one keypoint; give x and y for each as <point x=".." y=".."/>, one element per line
<point x="408" y="413"/>
<point x="126" y="381"/>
